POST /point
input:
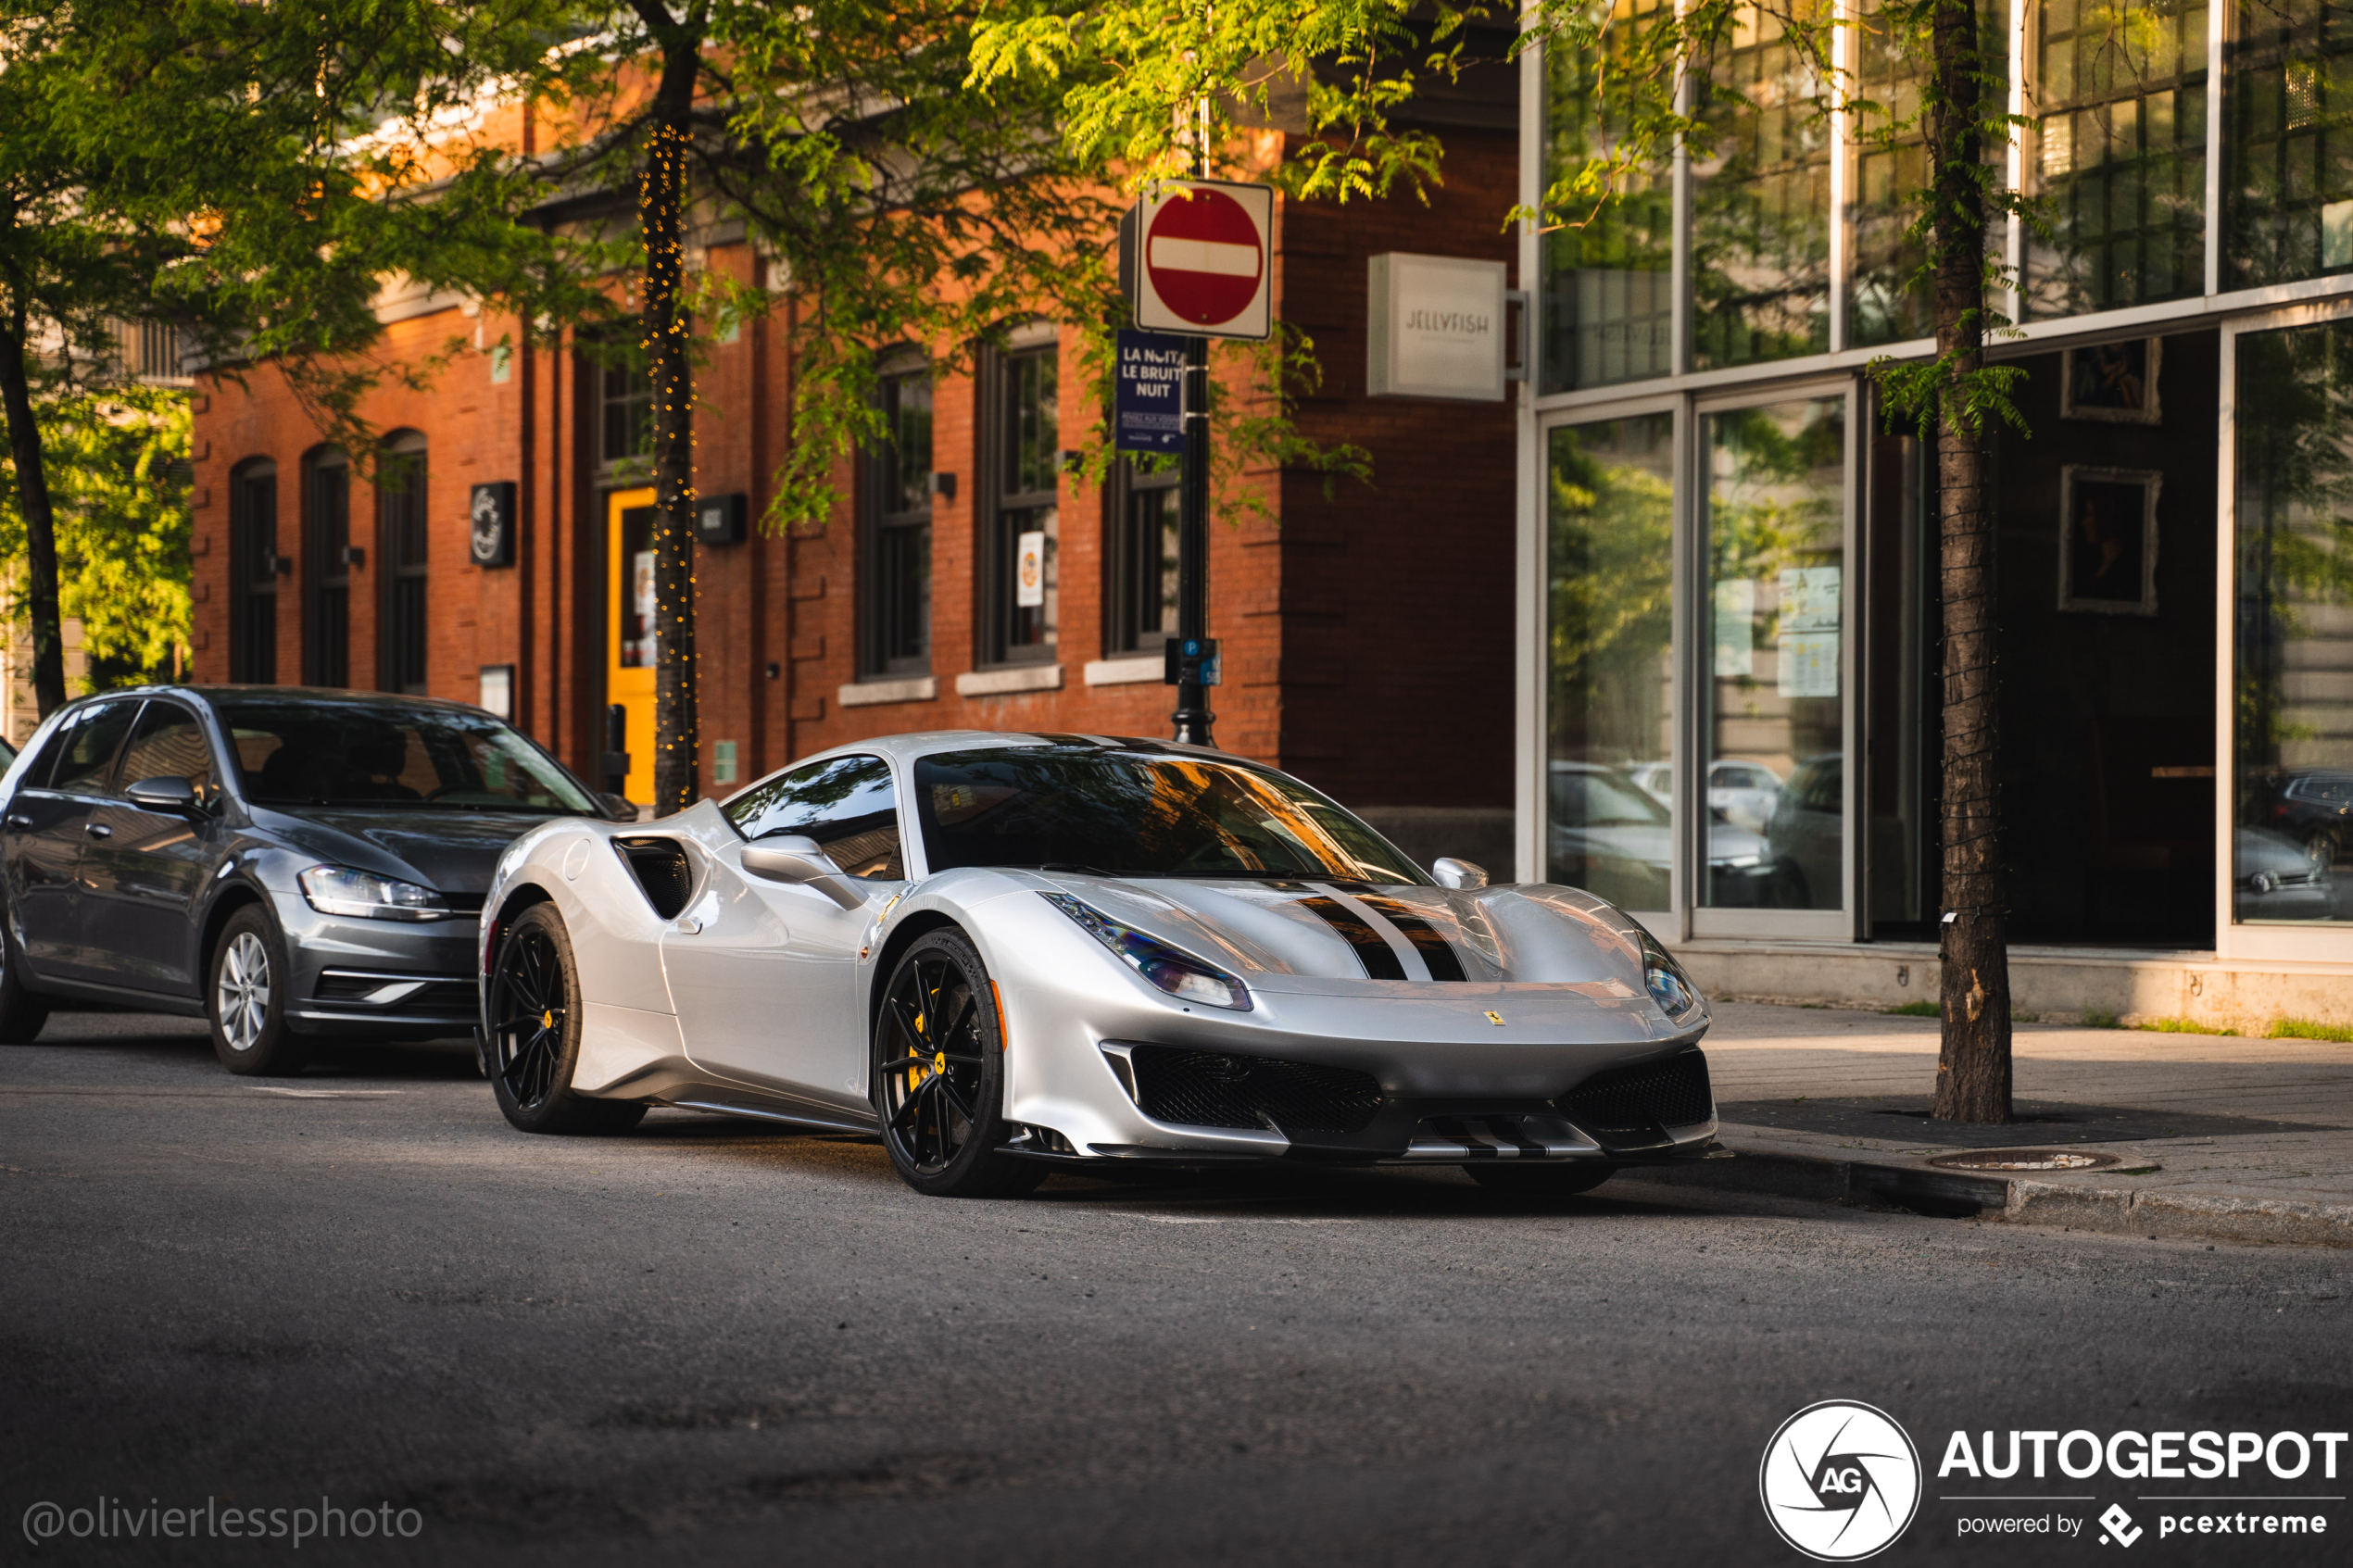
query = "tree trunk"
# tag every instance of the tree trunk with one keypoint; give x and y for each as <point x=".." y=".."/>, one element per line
<point x="40" y="519"/>
<point x="1973" y="1066"/>
<point x="661" y="204"/>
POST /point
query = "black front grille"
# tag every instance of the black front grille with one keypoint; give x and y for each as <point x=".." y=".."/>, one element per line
<point x="440" y="993"/>
<point x="1210" y="1089"/>
<point x="1625" y="1105"/>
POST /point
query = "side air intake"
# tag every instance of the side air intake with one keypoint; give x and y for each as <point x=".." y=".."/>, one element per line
<point x="1633" y="1107"/>
<point x="662" y="871"/>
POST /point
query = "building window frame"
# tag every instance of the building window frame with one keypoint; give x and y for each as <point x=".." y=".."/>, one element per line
<point x="326" y="567"/>
<point x="894" y="527"/>
<point x="1017" y="454"/>
<point x="253" y="572"/>
<point x="403" y="545"/>
<point x="1130" y="579"/>
<point x="622" y="424"/>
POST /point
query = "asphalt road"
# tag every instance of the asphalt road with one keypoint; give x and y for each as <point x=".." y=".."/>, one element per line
<point x="716" y="1341"/>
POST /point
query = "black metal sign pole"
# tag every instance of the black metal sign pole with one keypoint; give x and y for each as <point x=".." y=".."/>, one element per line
<point x="1192" y="715"/>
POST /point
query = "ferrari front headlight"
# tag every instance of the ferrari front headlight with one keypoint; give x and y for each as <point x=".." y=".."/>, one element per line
<point x="1181" y="975"/>
<point x="1668" y="986"/>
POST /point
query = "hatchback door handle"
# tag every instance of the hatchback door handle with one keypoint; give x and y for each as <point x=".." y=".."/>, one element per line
<point x="97" y="830"/>
<point x="18" y="820"/>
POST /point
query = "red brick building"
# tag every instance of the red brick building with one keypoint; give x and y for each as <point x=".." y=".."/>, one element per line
<point x="1366" y="636"/>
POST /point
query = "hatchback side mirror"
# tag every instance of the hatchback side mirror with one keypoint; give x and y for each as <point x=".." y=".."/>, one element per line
<point x="167" y="792"/>
<point x="798" y="862"/>
<point x="1451" y="872"/>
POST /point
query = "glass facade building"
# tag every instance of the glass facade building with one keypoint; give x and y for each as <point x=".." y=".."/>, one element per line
<point x="1728" y="609"/>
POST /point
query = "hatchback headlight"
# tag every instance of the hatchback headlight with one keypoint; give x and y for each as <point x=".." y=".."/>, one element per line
<point x="1181" y="975"/>
<point x="1668" y="986"/>
<point x="339" y="890"/>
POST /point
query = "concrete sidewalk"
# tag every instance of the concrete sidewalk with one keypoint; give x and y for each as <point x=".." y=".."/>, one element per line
<point x="2235" y="1172"/>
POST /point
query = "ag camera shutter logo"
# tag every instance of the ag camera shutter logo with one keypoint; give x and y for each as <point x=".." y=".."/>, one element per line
<point x="1840" y="1480"/>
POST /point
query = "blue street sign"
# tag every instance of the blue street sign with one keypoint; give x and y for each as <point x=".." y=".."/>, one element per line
<point x="1150" y="401"/>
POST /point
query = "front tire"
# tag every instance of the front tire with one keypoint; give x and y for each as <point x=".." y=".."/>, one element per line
<point x="22" y="1012"/>
<point x="246" y="1000"/>
<point x="533" y="1024"/>
<point x="1544" y="1178"/>
<point x="939" y="1074"/>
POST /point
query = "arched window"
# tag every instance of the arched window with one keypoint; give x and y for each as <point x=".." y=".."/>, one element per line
<point x="401" y="563"/>
<point x="253" y="570"/>
<point x="326" y="567"/>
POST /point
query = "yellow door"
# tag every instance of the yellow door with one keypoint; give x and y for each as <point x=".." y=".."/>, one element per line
<point x="629" y="627"/>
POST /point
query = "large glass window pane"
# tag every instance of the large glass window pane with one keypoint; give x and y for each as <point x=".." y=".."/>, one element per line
<point x="1887" y="297"/>
<point x="1773" y="628"/>
<point x="2293" y="730"/>
<point x="1611" y="682"/>
<point x="2288" y="116"/>
<point x="1761" y="198"/>
<point x="1608" y="304"/>
<point x="2119" y="158"/>
<point x="1027" y="597"/>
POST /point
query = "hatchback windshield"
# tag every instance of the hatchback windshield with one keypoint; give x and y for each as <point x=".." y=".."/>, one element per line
<point x="1129" y="813"/>
<point x="373" y="754"/>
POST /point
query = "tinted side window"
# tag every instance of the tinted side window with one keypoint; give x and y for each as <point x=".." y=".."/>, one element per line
<point x="170" y="741"/>
<point x="847" y="804"/>
<point x="90" y="746"/>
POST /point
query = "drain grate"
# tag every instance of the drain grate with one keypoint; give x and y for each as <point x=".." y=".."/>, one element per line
<point x="2024" y="1160"/>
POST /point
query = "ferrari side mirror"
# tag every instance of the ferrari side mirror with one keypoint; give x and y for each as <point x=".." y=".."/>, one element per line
<point x="1451" y="872"/>
<point x="619" y="807"/>
<point x="798" y="862"/>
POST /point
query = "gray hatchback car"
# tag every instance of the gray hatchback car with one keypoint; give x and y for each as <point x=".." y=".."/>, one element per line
<point x="284" y="863"/>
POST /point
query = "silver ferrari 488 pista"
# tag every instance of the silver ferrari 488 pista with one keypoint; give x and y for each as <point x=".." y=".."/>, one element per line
<point x="1009" y="953"/>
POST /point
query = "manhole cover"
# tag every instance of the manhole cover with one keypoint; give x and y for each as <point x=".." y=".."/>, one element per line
<point x="2024" y="1160"/>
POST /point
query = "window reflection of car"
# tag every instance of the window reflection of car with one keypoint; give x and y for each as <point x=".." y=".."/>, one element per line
<point x="2315" y="809"/>
<point x="2272" y="878"/>
<point x="1741" y="793"/>
<point x="1609" y="836"/>
<point x="1805" y="836"/>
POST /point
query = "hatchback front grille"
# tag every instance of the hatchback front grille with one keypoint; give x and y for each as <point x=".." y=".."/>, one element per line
<point x="1627" y="1105"/>
<point x="1193" y="1088"/>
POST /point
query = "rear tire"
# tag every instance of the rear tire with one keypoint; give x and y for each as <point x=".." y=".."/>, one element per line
<point x="1545" y="1178"/>
<point x="939" y="1075"/>
<point x="532" y="1026"/>
<point x="22" y="1010"/>
<point x="246" y="999"/>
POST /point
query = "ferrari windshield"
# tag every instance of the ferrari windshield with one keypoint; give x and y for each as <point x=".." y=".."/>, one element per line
<point x="1139" y="813"/>
<point x="324" y="752"/>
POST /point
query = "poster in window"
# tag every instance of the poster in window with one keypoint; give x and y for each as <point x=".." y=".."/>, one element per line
<point x="2112" y="381"/>
<point x="2107" y="541"/>
<point x="1809" y="643"/>
<point x="1029" y="569"/>
<point x="1736" y="629"/>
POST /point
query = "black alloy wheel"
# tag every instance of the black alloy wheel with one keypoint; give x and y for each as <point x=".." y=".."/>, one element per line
<point x="532" y="1024"/>
<point x="939" y="1071"/>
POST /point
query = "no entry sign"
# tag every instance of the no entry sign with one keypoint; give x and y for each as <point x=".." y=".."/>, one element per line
<point x="1193" y="259"/>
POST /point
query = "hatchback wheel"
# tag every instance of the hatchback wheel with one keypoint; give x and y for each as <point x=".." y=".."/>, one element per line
<point x="22" y="1012"/>
<point x="246" y="998"/>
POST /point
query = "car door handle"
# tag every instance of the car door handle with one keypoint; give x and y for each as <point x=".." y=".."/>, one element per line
<point x="97" y="830"/>
<point x="18" y="820"/>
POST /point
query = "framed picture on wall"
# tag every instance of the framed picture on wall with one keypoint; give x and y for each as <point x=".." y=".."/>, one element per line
<point x="2114" y="382"/>
<point x="2107" y="540"/>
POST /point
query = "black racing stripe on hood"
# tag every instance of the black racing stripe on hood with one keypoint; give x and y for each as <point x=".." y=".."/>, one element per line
<point x="1445" y="964"/>
<point x="1372" y="948"/>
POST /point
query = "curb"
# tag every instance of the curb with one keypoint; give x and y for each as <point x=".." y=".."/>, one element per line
<point x="2012" y="1200"/>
